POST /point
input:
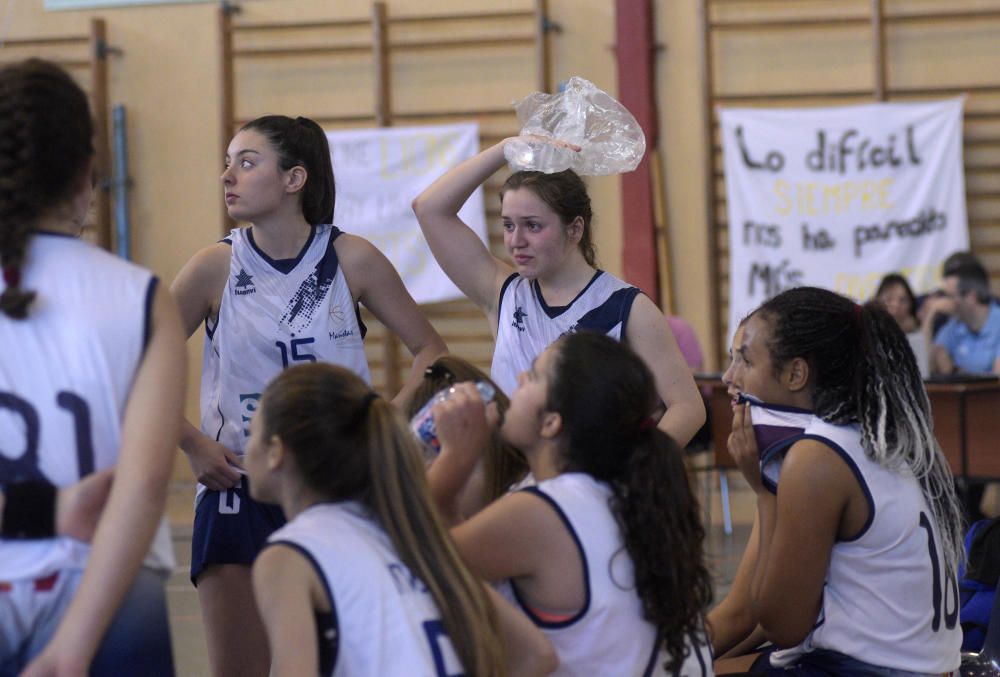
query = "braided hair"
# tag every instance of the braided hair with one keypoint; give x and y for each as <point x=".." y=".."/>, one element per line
<point x="45" y="146"/>
<point x="864" y="371"/>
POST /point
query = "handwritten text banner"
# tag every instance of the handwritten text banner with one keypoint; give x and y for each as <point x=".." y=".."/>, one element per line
<point x="379" y="172"/>
<point x="838" y="197"/>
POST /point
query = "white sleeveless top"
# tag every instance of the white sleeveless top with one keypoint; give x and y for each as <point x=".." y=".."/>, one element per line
<point x="609" y="635"/>
<point x="386" y="623"/>
<point x="886" y="598"/>
<point x="65" y="377"/>
<point x="526" y="324"/>
<point x="274" y="314"/>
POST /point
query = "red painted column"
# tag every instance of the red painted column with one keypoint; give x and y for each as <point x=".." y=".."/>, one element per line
<point x="636" y="51"/>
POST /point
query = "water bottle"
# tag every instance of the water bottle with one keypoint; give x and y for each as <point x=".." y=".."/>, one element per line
<point x="423" y="426"/>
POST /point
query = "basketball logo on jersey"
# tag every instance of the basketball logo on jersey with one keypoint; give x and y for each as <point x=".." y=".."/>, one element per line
<point x="519" y="316"/>
<point x="244" y="284"/>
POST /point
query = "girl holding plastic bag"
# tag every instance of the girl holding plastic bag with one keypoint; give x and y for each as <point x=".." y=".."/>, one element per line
<point x="551" y="285"/>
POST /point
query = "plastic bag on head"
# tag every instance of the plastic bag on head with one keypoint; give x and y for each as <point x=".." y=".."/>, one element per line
<point x="610" y="138"/>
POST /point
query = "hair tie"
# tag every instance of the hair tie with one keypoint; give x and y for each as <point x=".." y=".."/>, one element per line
<point x="439" y="371"/>
<point x="12" y="276"/>
<point x="367" y="401"/>
<point x="362" y="412"/>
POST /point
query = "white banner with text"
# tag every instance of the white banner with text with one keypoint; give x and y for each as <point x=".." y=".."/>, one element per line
<point x="379" y="172"/>
<point x="839" y="197"/>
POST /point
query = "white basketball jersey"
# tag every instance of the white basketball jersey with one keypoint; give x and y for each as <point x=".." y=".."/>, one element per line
<point x="386" y="621"/>
<point x="887" y="600"/>
<point x="274" y="314"/>
<point x="65" y="377"/>
<point x="609" y="636"/>
<point x="526" y="324"/>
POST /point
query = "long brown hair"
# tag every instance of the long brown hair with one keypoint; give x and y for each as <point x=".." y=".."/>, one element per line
<point x="350" y="444"/>
<point x="606" y="395"/>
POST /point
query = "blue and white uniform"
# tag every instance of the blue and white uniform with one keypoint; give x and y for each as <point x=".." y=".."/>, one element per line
<point x="273" y="314"/>
<point x="385" y="622"/>
<point x="65" y="379"/>
<point x="609" y="635"/>
<point x="527" y="324"/>
<point x="886" y="600"/>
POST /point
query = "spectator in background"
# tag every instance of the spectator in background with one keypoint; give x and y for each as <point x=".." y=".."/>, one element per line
<point x="970" y="341"/>
<point x="935" y="309"/>
<point x="895" y="294"/>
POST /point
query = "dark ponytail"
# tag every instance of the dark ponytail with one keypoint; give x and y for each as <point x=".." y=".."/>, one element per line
<point x="605" y="393"/>
<point x="302" y="142"/>
<point x="45" y="145"/>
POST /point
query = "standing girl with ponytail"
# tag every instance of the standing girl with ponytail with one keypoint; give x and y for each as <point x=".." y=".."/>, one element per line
<point x="605" y="553"/>
<point x="850" y="569"/>
<point x="364" y="579"/>
<point x="284" y="291"/>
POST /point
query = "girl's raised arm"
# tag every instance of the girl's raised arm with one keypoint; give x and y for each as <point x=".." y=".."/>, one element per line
<point x="458" y="250"/>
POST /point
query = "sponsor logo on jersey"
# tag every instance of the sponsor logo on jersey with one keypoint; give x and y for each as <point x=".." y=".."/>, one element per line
<point x="248" y="407"/>
<point x="334" y="335"/>
<point x="244" y="284"/>
<point x="519" y="316"/>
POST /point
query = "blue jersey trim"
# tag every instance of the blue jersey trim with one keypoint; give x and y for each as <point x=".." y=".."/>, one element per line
<point x="336" y="232"/>
<point x="147" y="318"/>
<point x="226" y="240"/>
<point x="612" y="312"/>
<point x="555" y="311"/>
<point x="503" y="290"/>
<point x="328" y="660"/>
<point x="776" y="407"/>
<point x="627" y="310"/>
<point x="583" y="559"/>
<point x="281" y="265"/>
<point x="768" y="455"/>
<point x="857" y="475"/>
<point x="222" y="421"/>
<point x="210" y="331"/>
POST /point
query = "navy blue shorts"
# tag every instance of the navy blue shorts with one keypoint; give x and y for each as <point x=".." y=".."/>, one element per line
<point x="230" y="528"/>
<point x="824" y="663"/>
